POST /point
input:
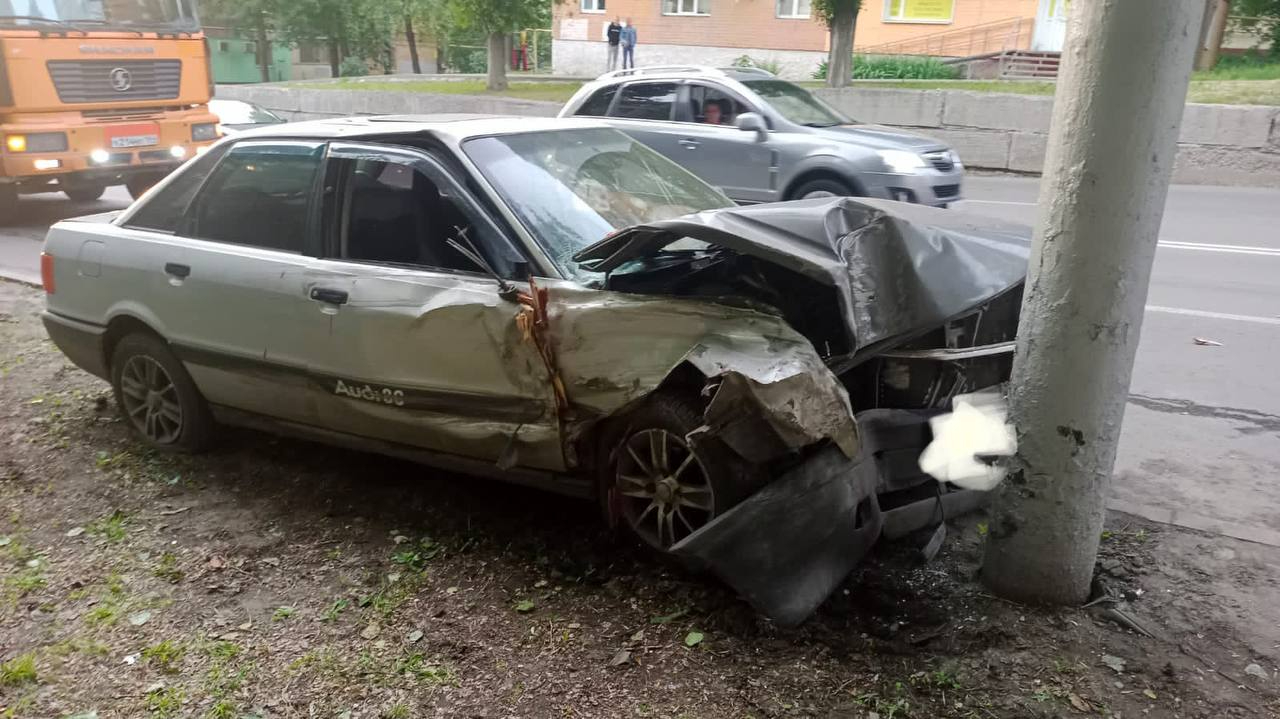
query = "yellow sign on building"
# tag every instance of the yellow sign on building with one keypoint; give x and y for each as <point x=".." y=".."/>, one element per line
<point x="920" y="10"/>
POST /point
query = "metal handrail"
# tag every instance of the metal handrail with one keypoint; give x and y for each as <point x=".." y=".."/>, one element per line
<point x="964" y="40"/>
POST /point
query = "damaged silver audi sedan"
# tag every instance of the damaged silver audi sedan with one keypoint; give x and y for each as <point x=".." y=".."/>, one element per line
<point x="551" y="303"/>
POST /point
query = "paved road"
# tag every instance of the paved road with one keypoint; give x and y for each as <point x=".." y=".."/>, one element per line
<point x="1201" y="441"/>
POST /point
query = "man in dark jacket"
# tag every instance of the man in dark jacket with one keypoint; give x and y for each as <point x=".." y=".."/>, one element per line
<point x="614" y="35"/>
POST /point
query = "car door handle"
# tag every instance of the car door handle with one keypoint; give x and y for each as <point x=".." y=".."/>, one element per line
<point x="689" y="144"/>
<point x="177" y="270"/>
<point x="330" y="296"/>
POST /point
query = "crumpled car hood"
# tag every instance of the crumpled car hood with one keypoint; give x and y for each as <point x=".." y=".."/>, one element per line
<point x="897" y="268"/>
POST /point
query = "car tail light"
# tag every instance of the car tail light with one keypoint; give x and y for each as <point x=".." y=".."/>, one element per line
<point x="46" y="272"/>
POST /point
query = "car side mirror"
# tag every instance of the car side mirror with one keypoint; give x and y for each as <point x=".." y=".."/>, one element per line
<point x="753" y="122"/>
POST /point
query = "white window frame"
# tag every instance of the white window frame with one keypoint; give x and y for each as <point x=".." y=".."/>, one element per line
<point x="595" y="7"/>
<point x="680" y="7"/>
<point x="912" y="21"/>
<point x="795" y="13"/>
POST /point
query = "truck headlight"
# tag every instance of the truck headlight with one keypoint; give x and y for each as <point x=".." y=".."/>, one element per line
<point x="204" y="131"/>
<point x="37" y="142"/>
<point x="901" y="161"/>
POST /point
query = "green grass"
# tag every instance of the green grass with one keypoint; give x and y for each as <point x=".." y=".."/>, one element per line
<point x="549" y="91"/>
<point x="18" y="671"/>
<point x="164" y="702"/>
<point x="164" y="655"/>
<point x="110" y="527"/>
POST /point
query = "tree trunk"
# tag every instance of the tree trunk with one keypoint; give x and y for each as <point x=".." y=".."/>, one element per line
<point x="264" y="49"/>
<point x="335" y="58"/>
<point x="840" y="56"/>
<point x="442" y="54"/>
<point x="1111" y="148"/>
<point x="1207" y="56"/>
<point x="498" y="59"/>
<point x="413" y="44"/>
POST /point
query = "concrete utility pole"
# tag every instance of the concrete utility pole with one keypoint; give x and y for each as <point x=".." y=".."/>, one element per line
<point x="1111" y="149"/>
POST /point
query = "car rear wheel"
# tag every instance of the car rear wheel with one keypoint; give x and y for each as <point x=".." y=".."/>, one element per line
<point x="84" y="193"/>
<point x="156" y="396"/>
<point x="822" y="188"/>
<point x="665" y="487"/>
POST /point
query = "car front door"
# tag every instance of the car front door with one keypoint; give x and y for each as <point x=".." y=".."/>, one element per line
<point x="412" y="341"/>
<point x="737" y="162"/>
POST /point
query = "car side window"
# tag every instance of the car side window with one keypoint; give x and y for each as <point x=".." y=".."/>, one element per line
<point x="392" y="212"/>
<point x="647" y="101"/>
<point x="259" y="195"/>
<point x="598" y="104"/>
<point x="167" y="206"/>
<point x="712" y="106"/>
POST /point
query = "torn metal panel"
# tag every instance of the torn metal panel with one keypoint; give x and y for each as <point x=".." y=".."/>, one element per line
<point x="897" y="268"/>
<point x="613" y="349"/>
<point x="788" y="546"/>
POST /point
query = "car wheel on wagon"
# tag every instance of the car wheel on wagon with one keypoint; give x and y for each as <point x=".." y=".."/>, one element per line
<point x="157" y="398"/>
<point x="139" y="184"/>
<point x="83" y="193"/>
<point x="822" y="188"/>
<point x="663" y="486"/>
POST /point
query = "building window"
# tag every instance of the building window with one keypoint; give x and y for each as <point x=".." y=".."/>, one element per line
<point x="592" y="5"/>
<point x="919" y="11"/>
<point x="686" y="7"/>
<point x="312" y="53"/>
<point x="795" y="8"/>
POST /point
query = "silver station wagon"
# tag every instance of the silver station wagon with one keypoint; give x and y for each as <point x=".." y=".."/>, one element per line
<point x="761" y="139"/>
<point x="552" y="303"/>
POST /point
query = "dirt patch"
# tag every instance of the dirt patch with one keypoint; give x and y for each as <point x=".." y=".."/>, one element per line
<point x="272" y="578"/>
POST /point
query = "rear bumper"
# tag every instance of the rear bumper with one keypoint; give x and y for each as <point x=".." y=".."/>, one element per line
<point x="81" y="342"/>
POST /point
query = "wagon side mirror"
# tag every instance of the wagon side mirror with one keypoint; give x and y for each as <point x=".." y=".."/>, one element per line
<point x="753" y="122"/>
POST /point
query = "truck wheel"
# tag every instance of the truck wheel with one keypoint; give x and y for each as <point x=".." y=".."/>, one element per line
<point x="8" y="203"/>
<point x="664" y="487"/>
<point x="822" y="188"/>
<point x="156" y="396"/>
<point x="84" y="193"/>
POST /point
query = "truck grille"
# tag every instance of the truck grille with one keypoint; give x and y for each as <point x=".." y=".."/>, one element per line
<point x="941" y="160"/>
<point x="102" y="80"/>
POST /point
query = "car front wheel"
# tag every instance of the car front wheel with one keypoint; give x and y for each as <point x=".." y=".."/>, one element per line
<point x="156" y="396"/>
<point x="822" y="188"/>
<point x="84" y="193"/>
<point x="665" y="487"/>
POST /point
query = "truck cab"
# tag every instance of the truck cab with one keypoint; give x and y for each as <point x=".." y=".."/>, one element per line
<point x="94" y="94"/>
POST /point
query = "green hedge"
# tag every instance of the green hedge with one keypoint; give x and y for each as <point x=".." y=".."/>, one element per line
<point x="895" y="67"/>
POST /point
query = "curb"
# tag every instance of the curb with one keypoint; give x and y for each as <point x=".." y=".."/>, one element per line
<point x="22" y="277"/>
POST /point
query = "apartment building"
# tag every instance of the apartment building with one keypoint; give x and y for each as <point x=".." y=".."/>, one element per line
<point x="786" y="32"/>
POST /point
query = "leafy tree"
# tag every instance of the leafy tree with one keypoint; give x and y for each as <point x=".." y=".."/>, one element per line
<point x="351" y="28"/>
<point x="497" y="19"/>
<point x="249" y="16"/>
<point x="431" y="16"/>
<point x="1261" y="16"/>
<point x="841" y="17"/>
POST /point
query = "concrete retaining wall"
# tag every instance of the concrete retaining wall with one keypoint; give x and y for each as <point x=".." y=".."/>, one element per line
<point x="1220" y="144"/>
<point x="588" y="58"/>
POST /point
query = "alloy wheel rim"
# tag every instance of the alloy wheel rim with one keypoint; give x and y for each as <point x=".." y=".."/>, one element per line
<point x="150" y="399"/>
<point x="664" y="488"/>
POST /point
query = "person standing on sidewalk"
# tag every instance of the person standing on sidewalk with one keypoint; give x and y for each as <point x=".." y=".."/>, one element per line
<point x="613" y="34"/>
<point x="628" y="40"/>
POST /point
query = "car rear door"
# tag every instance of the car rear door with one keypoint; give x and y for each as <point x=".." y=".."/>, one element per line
<point x="646" y="111"/>
<point x="225" y="270"/>
<point x="416" y="343"/>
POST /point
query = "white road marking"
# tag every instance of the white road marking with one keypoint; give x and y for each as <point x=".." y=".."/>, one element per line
<point x="1215" y="315"/>
<point x="1236" y="249"/>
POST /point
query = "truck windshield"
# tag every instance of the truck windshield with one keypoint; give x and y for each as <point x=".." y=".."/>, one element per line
<point x="101" y="14"/>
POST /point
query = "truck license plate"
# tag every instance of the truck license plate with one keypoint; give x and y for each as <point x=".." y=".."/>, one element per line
<point x="135" y="141"/>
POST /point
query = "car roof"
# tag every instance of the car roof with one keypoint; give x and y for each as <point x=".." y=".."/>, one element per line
<point x="458" y="126"/>
<point x="685" y="72"/>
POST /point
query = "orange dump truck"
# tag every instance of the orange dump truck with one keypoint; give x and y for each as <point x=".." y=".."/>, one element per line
<point x="96" y="93"/>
